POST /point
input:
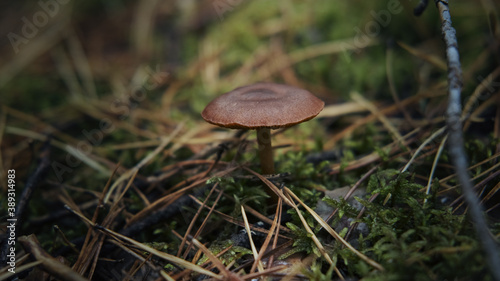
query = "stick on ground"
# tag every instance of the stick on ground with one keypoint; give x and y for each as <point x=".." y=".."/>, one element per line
<point x="456" y="141"/>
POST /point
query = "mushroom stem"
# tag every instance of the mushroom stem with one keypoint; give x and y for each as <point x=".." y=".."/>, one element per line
<point x="265" y="151"/>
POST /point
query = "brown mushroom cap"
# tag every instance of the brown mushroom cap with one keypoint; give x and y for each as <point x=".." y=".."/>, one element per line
<point x="262" y="105"/>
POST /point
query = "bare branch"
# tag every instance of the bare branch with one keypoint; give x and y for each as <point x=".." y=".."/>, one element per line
<point x="456" y="141"/>
<point x="420" y="7"/>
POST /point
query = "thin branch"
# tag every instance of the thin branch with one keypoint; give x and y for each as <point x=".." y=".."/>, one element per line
<point x="456" y="141"/>
<point x="48" y="263"/>
<point x="420" y="7"/>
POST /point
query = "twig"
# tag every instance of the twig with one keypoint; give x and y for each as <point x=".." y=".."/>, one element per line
<point x="456" y="141"/>
<point x="121" y="238"/>
<point x="161" y="215"/>
<point x="420" y="7"/>
<point x="34" y="179"/>
<point x="48" y="263"/>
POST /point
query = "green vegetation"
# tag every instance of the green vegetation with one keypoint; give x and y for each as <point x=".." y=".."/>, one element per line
<point x="136" y="153"/>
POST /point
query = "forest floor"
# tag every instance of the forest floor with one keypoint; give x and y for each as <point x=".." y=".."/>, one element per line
<point x="108" y="171"/>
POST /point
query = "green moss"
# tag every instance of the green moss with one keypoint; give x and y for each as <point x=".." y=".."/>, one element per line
<point x="302" y="241"/>
<point x="242" y="191"/>
<point x="233" y="254"/>
<point x="409" y="238"/>
<point x="316" y="272"/>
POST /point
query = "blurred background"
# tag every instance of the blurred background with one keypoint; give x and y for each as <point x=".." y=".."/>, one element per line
<point x="108" y="81"/>
<point x="63" y="50"/>
<point x="145" y="66"/>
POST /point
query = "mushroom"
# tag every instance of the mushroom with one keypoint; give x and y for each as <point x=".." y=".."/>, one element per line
<point x="263" y="106"/>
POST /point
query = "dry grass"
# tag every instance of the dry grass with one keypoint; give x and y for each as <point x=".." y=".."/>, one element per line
<point x="110" y="95"/>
